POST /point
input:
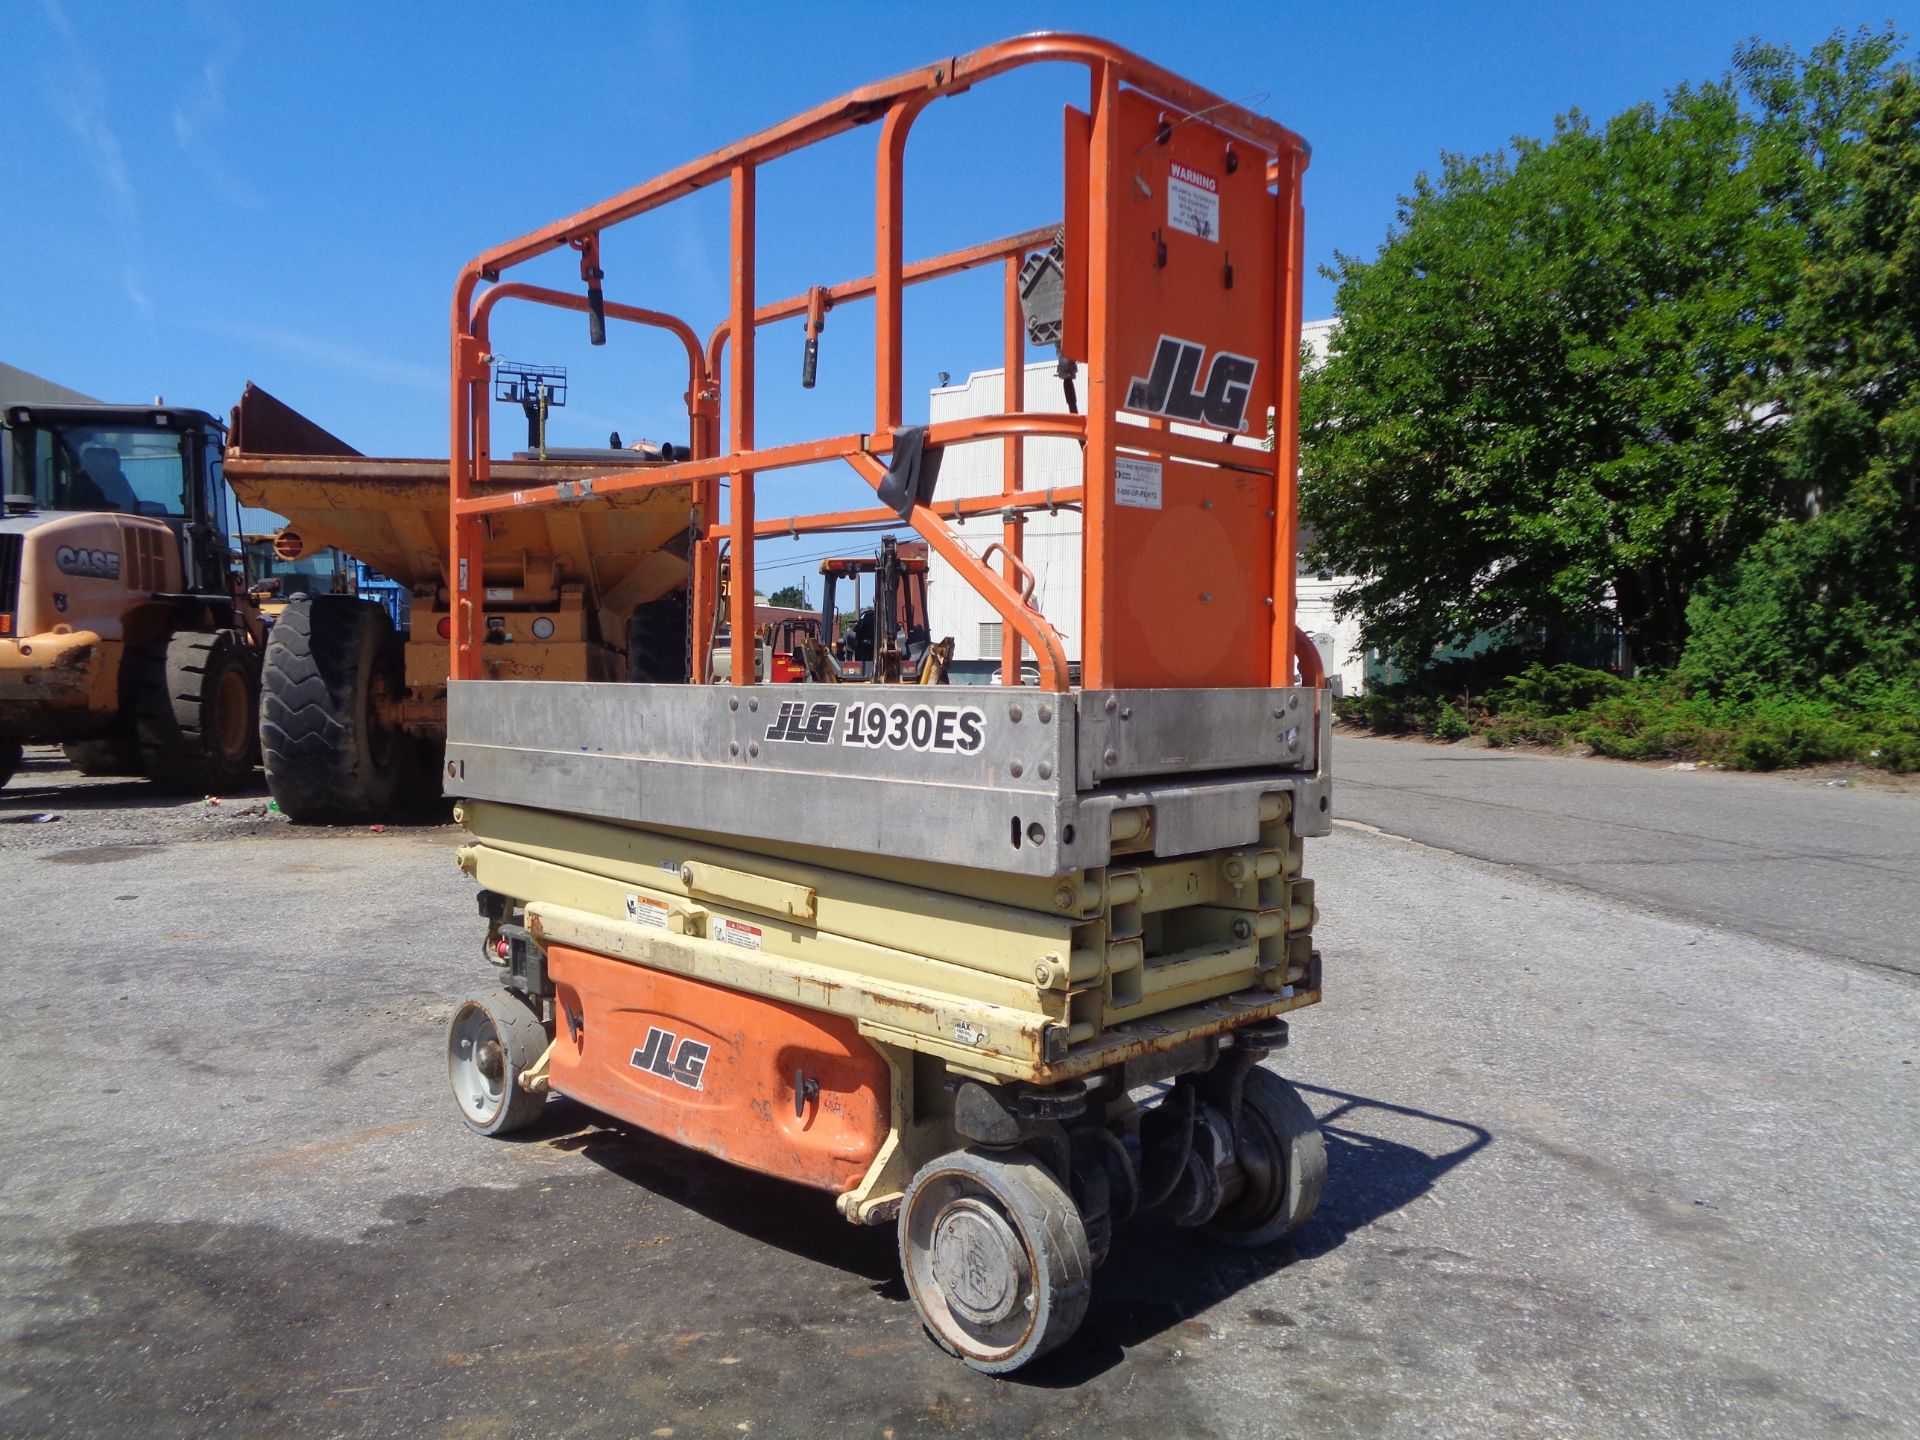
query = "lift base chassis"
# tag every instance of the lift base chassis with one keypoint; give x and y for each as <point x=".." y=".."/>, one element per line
<point x="670" y="901"/>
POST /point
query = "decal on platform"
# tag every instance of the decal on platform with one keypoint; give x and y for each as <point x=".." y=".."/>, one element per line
<point x="645" y="910"/>
<point x="941" y="729"/>
<point x="683" y="1066"/>
<point x="1193" y="201"/>
<point x="1136" y="483"/>
<point x="729" y="931"/>
<point x="100" y="564"/>
<point x="871" y="725"/>
<point x="1172" y="387"/>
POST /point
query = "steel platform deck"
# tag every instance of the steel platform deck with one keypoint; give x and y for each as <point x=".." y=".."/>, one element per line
<point x="1013" y="780"/>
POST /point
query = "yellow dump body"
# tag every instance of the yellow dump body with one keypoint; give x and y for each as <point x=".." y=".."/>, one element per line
<point x="617" y="553"/>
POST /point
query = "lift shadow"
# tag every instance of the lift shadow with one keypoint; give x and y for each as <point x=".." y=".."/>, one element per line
<point x="775" y="1212"/>
<point x="1160" y="1277"/>
<point x="1157" y="1278"/>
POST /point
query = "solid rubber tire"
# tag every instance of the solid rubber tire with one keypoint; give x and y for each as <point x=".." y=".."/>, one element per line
<point x="1273" y="1116"/>
<point x="1041" y="1213"/>
<point x="115" y="755"/>
<point x="524" y="1039"/>
<point x="327" y="760"/>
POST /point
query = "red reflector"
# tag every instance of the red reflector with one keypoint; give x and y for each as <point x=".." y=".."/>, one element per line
<point x="445" y="627"/>
<point x="6" y="624"/>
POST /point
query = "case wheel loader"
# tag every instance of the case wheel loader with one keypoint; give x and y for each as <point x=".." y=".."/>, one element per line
<point x="125" y="635"/>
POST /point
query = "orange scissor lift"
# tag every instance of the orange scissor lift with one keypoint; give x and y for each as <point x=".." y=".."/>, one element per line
<point x="998" y="965"/>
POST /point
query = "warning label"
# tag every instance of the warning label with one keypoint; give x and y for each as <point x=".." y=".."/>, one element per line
<point x="644" y="910"/>
<point x="1136" y="483"/>
<point x="1193" y="202"/>
<point x="738" y="932"/>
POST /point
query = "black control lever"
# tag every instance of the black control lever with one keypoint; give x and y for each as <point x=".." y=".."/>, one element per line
<point x="590" y="271"/>
<point x="818" y="303"/>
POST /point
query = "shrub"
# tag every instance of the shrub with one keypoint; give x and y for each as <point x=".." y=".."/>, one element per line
<point x="1544" y="691"/>
<point x="1662" y="717"/>
<point x="1449" y="724"/>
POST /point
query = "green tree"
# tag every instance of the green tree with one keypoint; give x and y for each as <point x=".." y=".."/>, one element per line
<point x="1547" y="390"/>
<point x="1828" y="602"/>
<point x="793" y="597"/>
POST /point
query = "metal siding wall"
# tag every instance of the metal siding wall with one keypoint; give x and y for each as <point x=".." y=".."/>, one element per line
<point x="1052" y="541"/>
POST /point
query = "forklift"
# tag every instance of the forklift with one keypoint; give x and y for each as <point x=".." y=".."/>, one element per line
<point x="883" y="641"/>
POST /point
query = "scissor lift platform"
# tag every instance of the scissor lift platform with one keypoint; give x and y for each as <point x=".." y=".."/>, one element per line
<point x="997" y="964"/>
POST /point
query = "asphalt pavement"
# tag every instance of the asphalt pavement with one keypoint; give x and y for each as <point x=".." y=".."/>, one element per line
<point x="1596" y="1170"/>
<point x="1823" y="862"/>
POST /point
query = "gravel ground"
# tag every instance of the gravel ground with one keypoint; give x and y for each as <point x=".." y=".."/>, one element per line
<point x="1595" y="1171"/>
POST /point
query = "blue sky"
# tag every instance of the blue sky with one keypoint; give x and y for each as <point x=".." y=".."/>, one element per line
<point x="210" y="193"/>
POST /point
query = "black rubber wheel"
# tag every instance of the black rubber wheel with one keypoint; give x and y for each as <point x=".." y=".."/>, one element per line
<point x="1284" y="1158"/>
<point x="115" y="755"/>
<point x="196" y="695"/>
<point x="10" y="753"/>
<point x="657" y="641"/>
<point x="493" y="1040"/>
<point x="1104" y="1185"/>
<point x="995" y="1256"/>
<point x="331" y="662"/>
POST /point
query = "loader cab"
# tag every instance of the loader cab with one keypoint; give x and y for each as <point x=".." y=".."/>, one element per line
<point x="159" y="462"/>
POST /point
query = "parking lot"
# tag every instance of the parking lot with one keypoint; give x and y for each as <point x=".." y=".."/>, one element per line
<point x="1597" y="1168"/>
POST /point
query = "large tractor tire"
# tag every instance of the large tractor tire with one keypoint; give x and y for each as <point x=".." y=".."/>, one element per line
<point x="657" y="641"/>
<point x="195" y="698"/>
<point x="332" y="663"/>
<point x="115" y="755"/>
<point x="10" y="755"/>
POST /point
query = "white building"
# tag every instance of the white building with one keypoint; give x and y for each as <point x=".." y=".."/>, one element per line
<point x="1337" y="640"/>
<point x="1051" y="543"/>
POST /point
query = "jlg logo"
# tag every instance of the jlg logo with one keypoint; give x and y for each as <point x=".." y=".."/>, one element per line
<point x="1171" y="388"/>
<point x="658" y="1057"/>
<point x="808" y="725"/>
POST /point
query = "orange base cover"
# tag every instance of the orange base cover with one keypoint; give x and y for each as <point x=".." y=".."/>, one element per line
<point x="718" y="1070"/>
